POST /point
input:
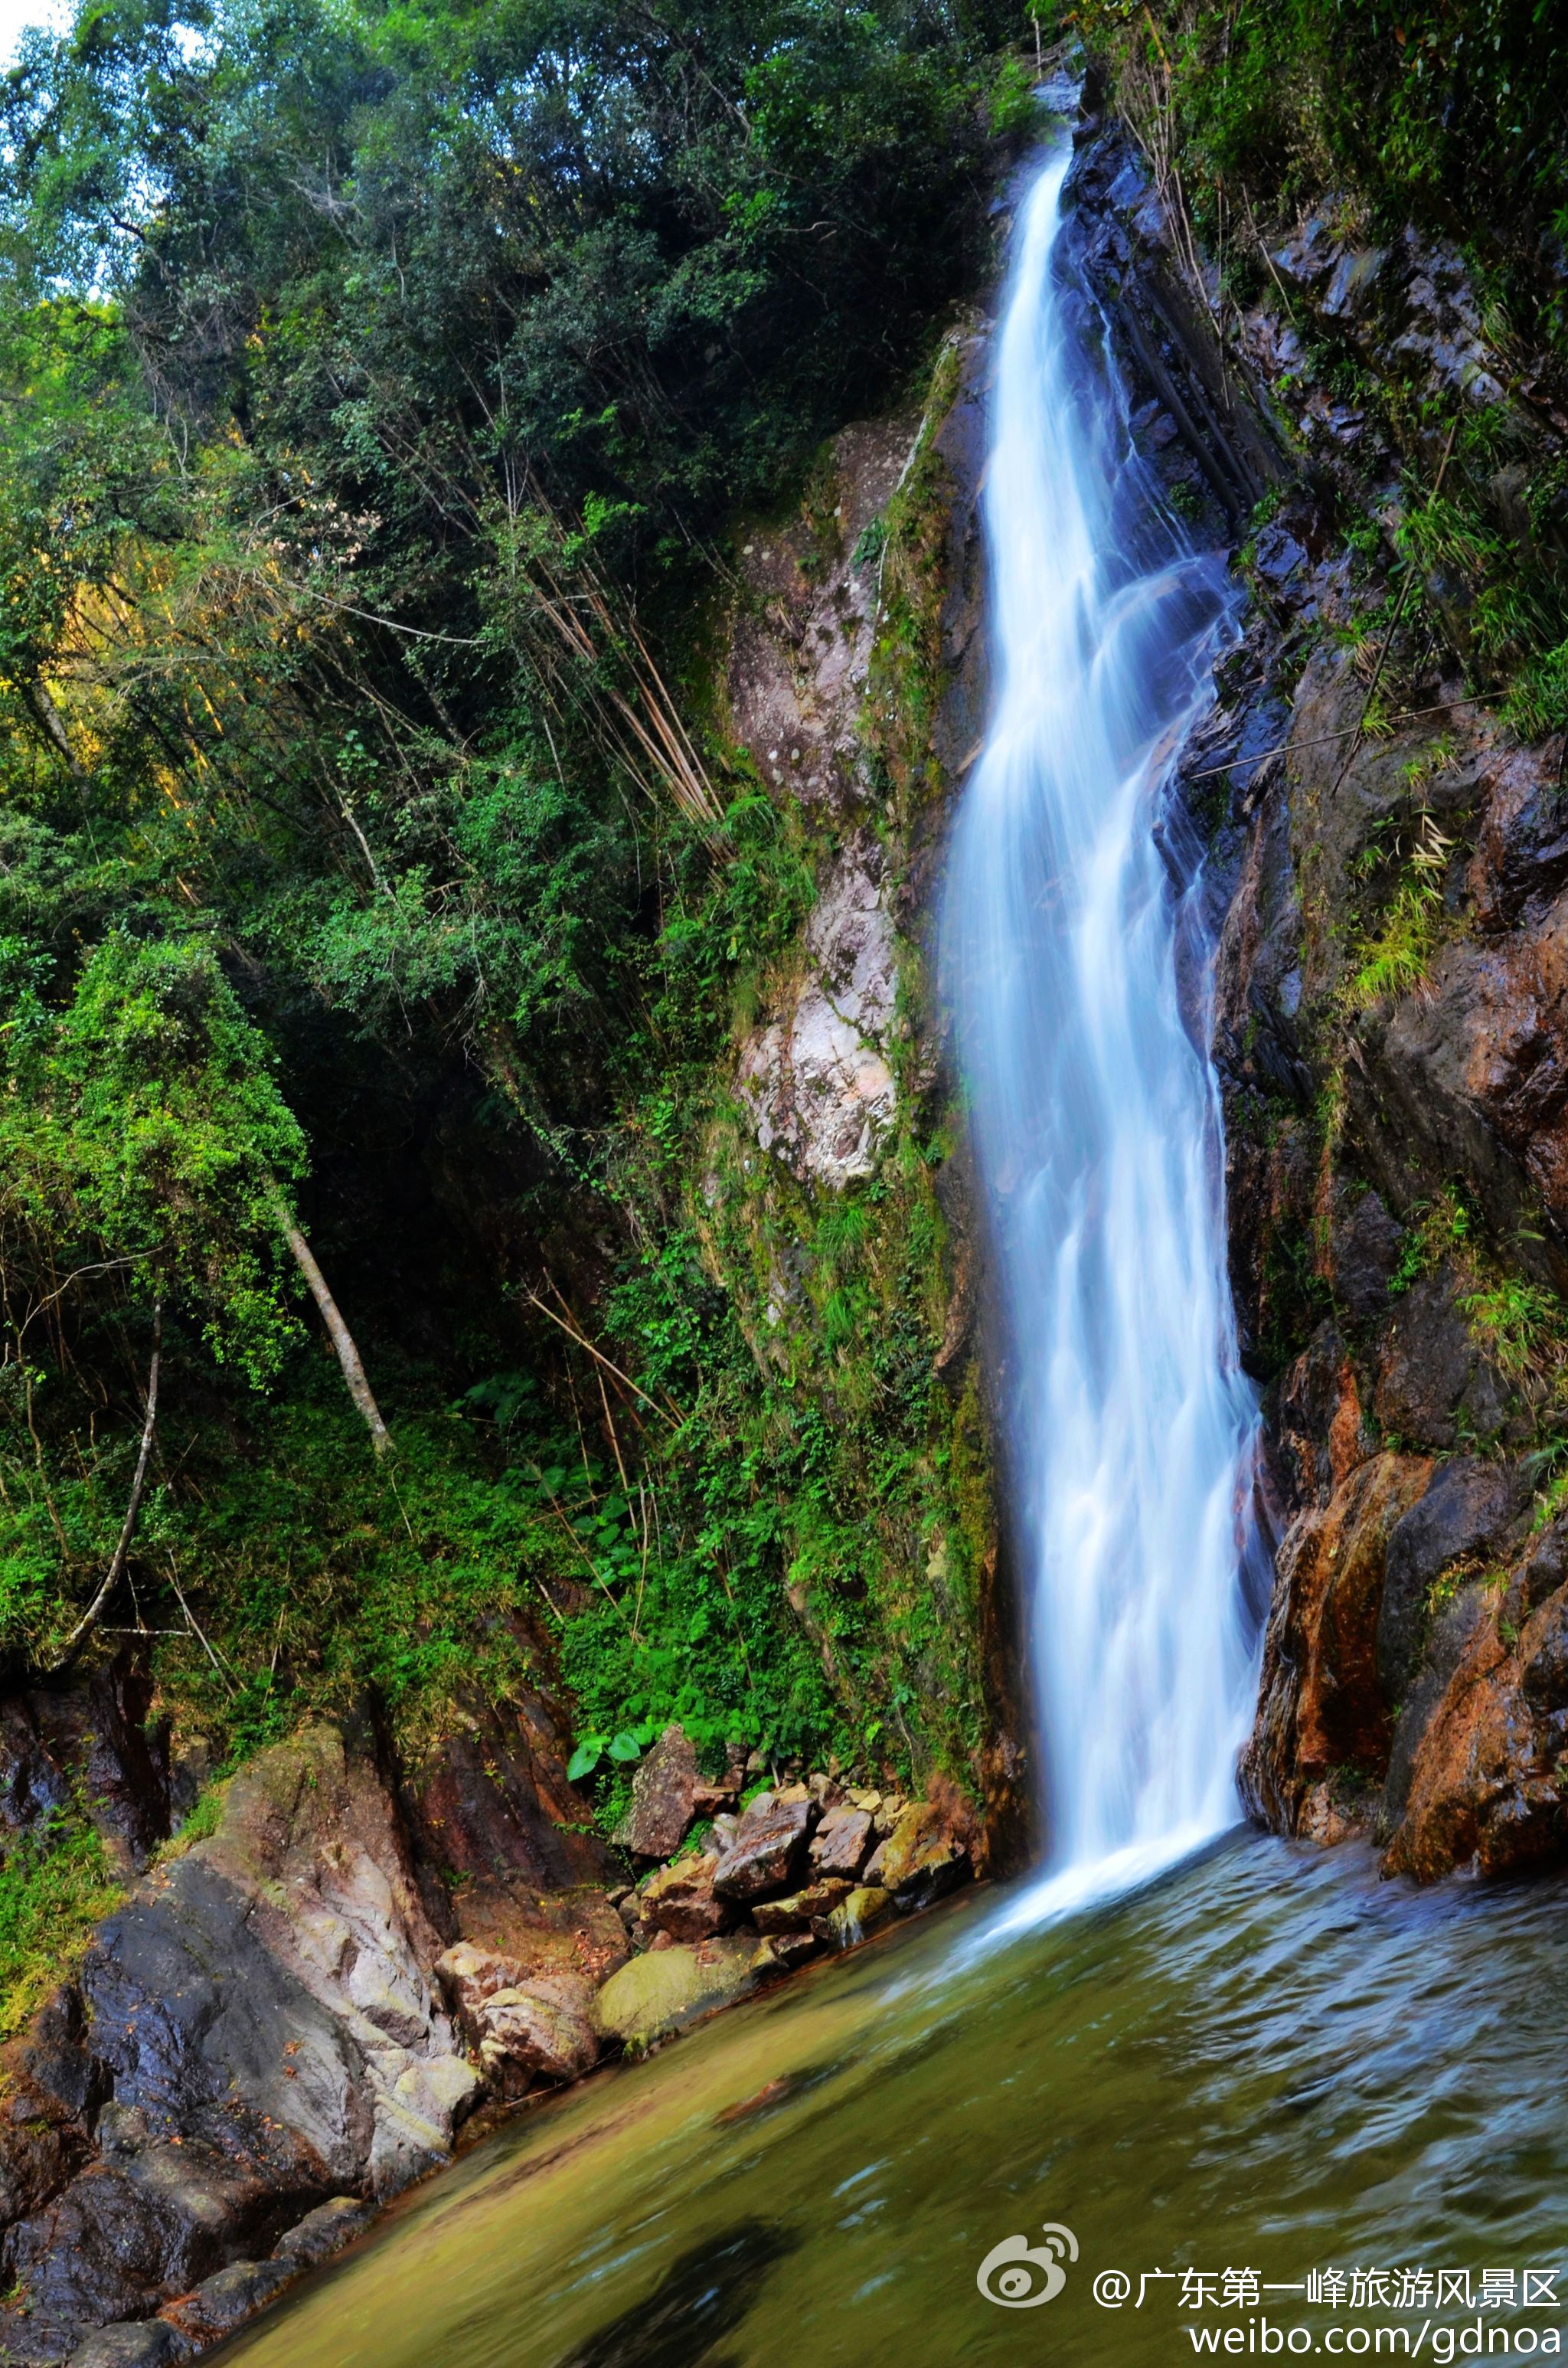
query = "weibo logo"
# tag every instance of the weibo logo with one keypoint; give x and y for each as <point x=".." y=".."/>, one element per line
<point x="1019" y="2276"/>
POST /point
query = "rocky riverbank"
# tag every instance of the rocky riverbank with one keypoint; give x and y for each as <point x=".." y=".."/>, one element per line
<point x="310" y="1992"/>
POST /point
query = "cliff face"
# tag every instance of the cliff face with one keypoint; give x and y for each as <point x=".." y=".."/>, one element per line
<point x="835" y="1199"/>
<point x="1386" y="866"/>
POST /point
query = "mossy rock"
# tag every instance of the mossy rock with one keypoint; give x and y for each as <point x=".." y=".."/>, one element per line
<point x="666" y="1989"/>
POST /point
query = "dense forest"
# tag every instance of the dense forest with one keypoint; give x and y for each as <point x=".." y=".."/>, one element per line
<point x="385" y="392"/>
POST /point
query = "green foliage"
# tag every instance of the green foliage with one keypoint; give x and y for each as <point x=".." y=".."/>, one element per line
<point x="1521" y="1323"/>
<point x="55" y="1885"/>
<point x="374" y="387"/>
<point x="142" y="1126"/>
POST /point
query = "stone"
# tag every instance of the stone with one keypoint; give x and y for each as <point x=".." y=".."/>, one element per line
<point x="780" y="1952"/>
<point x="1431" y="1372"/>
<point x="656" y="1995"/>
<point x="221" y="2302"/>
<point x="1460" y="1513"/>
<point x="842" y="1843"/>
<point x="469" y="1975"/>
<point x="1321" y="1705"/>
<point x="490" y="1804"/>
<point x="324" y="2231"/>
<point x="95" y="1740"/>
<point x="856" y="1918"/>
<point x="574" y="1930"/>
<point x="133" y="2343"/>
<point x="1484" y="1790"/>
<point x="802" y="1909"/>
<point x="546" y="2030"/>
<point x="1366" y="1245"/>
<point x="763" y="1857"/>
<point x="818" y="1080"/>
<point x="680" y="1900"/>
<point x="921" y="1860"/>
<point x="663" y="1797"/>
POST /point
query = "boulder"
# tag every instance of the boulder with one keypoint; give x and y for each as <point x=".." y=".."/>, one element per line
<point x="782" y="1951"/>
<point x="842" y="1843"/>
<point x="221" y="2302"/>
<point x="545" y="2030"/>
<point x="680" y="1900"/>
<point x="324" y="2231"/>
<point x="664" y="1795"/>
<point x="666" y="1990"/>
<point x="803" y="1910"/>
<point x="133" y="2343"/>
<point x="921" y="1860"/>
<point x="763" y="1857"/>
<point x="856" y="1918"/>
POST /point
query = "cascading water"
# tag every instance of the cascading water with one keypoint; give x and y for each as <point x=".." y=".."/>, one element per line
<point x="1095" y="1114"/>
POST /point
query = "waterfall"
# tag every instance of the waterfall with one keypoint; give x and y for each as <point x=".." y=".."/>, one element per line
<point x="1077" y="972"/>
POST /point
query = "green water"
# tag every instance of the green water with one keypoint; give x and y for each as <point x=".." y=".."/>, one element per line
<point x="1268" y="2061"/>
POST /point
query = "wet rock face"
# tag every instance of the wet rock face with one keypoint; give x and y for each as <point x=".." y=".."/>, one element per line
<point x="93" y="1740"/>
<point x="492" y="1807"/>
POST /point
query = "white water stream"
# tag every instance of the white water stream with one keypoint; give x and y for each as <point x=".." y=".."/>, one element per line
<point x="1094" y="1113"/>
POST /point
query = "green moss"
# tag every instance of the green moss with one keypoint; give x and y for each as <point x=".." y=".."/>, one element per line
<point x="55" y="1885"/>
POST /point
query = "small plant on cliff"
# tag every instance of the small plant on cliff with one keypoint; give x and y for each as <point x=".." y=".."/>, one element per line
<point x="55" y="1885"/>
<point x="1523" y="1326"/>
<point x="1397" y="958"/>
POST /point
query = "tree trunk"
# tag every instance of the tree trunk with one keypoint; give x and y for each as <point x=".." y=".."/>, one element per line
<point x="341" y="1336"/>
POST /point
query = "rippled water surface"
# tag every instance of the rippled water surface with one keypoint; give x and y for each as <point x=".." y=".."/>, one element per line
<point x="1268" y="2060"/>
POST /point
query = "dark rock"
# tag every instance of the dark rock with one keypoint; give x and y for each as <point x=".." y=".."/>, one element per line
<point x="680" y="1900"/>
<point x="664" y="1794"/>
<point x="1542" y="1570"/>
<point x="95" y="1740"/>
<point x="491" y="1805"/>
<point x="114" y="2239"/>
<point x="1366" y="1245"/>
<point x="324" y="2231"/>
<point x="133" y="2343"/>
<point x="1464" y="1512"/>
<point x="224" y="2300"/>
<point x="765" y="1855"/>
<point x="1432" y="1376"/>
<point x="1544" y="1656"/>
<point x="842" y="1843"/>
<point x="921" y="1860"/>
<point x="802" y="1911"/>
<point x="43" y="2142"/>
